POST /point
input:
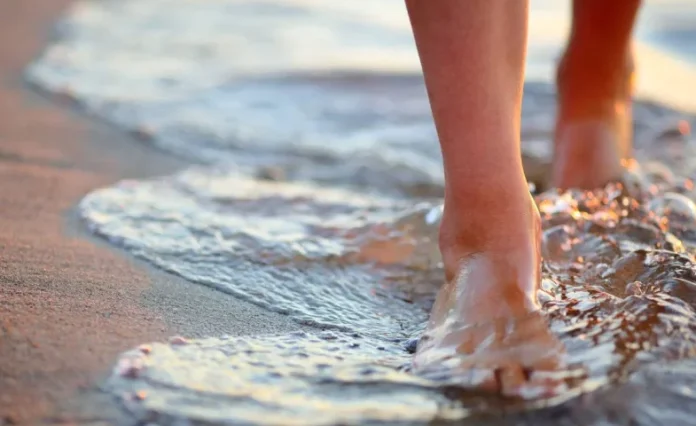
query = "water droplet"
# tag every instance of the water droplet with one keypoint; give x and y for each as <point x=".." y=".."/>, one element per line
<point x="553" y="203"/>
<point x="658" y="173"/>
<point x="178" y="341"/>
<point x="674" y="207"/>
<point x="411" y="345"/>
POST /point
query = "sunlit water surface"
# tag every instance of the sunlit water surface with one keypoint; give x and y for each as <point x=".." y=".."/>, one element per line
<point x="316" y="195"/>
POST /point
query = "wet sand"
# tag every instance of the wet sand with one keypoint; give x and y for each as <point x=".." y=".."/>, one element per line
<point x="68" y="303"/>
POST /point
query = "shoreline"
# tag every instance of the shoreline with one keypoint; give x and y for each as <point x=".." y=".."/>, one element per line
<point x="69" y="302"/>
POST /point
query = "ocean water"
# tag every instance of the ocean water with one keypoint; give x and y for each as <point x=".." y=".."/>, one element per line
<point x="328" y="93"/>
<point x="618" y="281"/>
<point x="314" y="191"/>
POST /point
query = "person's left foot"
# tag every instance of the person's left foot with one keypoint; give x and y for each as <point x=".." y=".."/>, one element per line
<point x="486" y="333"/>
<point x="485" y="329"/>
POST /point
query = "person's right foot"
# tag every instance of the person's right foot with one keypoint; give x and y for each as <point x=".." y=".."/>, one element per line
<point x="588" y="154"/>
<point x="593" y="136"/>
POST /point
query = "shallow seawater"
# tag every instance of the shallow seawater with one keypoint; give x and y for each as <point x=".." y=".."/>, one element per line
<point x="328" y="92"/>
<point x="619" y="291"/>
<point x="290" y="247"/>
<point x="317" y="195"/>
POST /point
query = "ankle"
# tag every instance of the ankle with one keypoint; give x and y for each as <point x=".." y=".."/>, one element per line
<point x="588" y="155"/>
<point x="504" y="225"/>
<point x="594" y="122"/>
<point x="592" y="84"/>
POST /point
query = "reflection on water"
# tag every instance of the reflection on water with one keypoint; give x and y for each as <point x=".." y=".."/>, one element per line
<point x="279" y="245"/>
<point x="618" y="289"/>
<point x="323" y="204"/>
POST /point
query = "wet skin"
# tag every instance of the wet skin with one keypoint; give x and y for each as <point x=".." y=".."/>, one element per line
<point x="485" y="326"/>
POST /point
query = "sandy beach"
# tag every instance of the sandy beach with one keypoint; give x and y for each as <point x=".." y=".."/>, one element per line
<point x="267" y="210"/>
<point x="68" y="303"/>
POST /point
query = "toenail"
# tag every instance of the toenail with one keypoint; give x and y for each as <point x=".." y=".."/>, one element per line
<point x="498" y="373"/>
<point x="527" y="373"/>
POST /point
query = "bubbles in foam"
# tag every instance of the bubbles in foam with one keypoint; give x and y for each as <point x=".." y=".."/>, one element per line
<point x="302" y="379"/>
<point x="675" y="207"/>
<point x="284" y="246"/>
<point x="659" y="174"/>
<point x="409" y="238"/>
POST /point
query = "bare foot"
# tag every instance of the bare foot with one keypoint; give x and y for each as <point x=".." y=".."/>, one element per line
<point x="588" y="154"/>
<point x="594" y="125"/>
<point x="485" y="330"/>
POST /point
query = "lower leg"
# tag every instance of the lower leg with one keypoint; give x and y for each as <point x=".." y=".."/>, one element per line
<point x="595" y="85"/>
<point x="472" y="53"/>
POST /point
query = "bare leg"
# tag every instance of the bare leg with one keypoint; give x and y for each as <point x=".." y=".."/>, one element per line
<point x="472" y="53"/>
<point x="595" y="84"/>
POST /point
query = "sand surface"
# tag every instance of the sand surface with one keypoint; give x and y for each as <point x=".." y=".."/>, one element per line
<point x="68" y="303"/>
